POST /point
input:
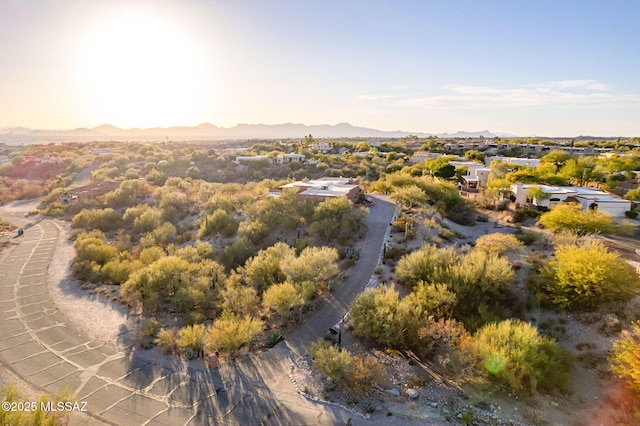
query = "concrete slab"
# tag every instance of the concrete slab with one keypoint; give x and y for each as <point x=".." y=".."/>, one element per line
<point x="105" y="397"/>
<point x="90" y="386"/>
<point x="10" y="326"/>
<point x="18" y="353"/>
<point x="17" y="338"/>
<point x="176" y="416"/>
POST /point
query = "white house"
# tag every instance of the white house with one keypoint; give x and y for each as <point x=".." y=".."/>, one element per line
<point x="290" y="158"/>
<point x="589" y="198"/>
<point x="476" y="177"/>
<point x="323" y="147"/>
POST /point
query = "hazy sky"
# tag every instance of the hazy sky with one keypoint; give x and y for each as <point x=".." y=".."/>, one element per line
<point x="556" y="68"/>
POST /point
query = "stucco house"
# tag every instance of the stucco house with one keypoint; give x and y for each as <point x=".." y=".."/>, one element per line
<point x="589" y="198"/>
<point x="325" y="188"/>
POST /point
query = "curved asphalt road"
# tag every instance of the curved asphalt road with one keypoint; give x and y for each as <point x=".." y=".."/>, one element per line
<point x="39" y="344"/>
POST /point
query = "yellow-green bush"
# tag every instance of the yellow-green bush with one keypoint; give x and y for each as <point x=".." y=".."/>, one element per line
<point x="586" y="274"/>
<point x="331" y="361"/>
<point x="512" y="352"/>
<point x="625" y="361"/>
<point x="230" y="332"/>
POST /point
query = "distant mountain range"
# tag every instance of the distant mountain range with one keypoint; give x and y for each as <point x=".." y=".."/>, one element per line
<point x="208" y="131"/>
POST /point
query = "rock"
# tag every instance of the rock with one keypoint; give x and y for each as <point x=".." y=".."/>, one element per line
<point x="554" y="404"/>
<point x="412" y="393"/>
<point x="433" y="404"/>
<point x="394" y="392"/>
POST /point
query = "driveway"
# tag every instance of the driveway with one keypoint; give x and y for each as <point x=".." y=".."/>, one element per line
<point x="40" y="345"/>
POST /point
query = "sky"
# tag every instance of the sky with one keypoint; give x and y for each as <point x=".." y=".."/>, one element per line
<point x="548" y="68"/>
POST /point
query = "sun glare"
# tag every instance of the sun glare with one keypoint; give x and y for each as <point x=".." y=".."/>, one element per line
<point x="137" y="70"/>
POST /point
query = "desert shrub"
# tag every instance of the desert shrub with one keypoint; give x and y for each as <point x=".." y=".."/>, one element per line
<point x="443" y="334"/>
<point x="625" y="361"/>
<point x="93" y="247"/>
<point x="314" y="264"/>
<point x="282" y="298"/>
<point x="480" y="282"/>
<point x="527" y="237"/>
<point x="264" y="270"/>
<point x="409" y="195"/>
<point x="230" y="332"/>
<point x="336" y="220"/>
<point x="572" y="218"/>
<point x="512" y="352"/>
<point x="587" y="274"/>
<point x="102" y="219"/>
<point x="237" y="253"/>
<point x="331" y="361"/>
<point x="426" y="264"/>
<point x="149" y="327"/>
<point x="117" y="271"/>
<point x="239" y="299"/>
<point x="363" y="373"/>
<point x="148" y="220"/>
<point x="151" y="254"/>
<point x="38" y="417"/>
<point x="499" y="244"/>
<point x="191" y="337"/>
<point x="634" y="194"/>
<point x="160" y="236"/>
<point x="433" y="299"/>
<point x="167" y="340"/>
<point x="218" y="222"/>
<point x="255" y="230"/>
<point x="403" y="223"/>
<point x="379" y="314"/>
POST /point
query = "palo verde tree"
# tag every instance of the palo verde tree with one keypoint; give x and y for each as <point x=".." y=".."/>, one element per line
<point x="586" y="274"/>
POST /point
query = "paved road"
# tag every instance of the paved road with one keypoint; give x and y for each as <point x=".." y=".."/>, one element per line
<point x="377" y="222"/>
<point x="40" y="345"/>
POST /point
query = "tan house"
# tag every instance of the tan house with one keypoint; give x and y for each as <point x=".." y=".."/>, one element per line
<point x="325" y="188"/>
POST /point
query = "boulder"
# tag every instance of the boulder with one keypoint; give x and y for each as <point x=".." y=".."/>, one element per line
<point x="412" y="393"/>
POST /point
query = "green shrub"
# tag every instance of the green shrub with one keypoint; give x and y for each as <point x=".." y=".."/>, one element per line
<point x="363" y="373"/>
<point x="625" y="361"/>
<point x="587" y="274"/>
<point x="499" y="244"/>
<point x="527" y="237"/>
<point x="572" y="218"/>
<point x="230" y="332"/>
<point x="331" y="361"/>
<point x="149" y="327"/>
<point x="191" y="337"/>
<point x="167" y="340"/>
<point x="282" y="298"/>
<point x="381" y="315"/>
<point x="426" y="264"/>
<point x="513" y="353"/>
<point x="37" y="417"/>
<point x="631" y="214"/>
